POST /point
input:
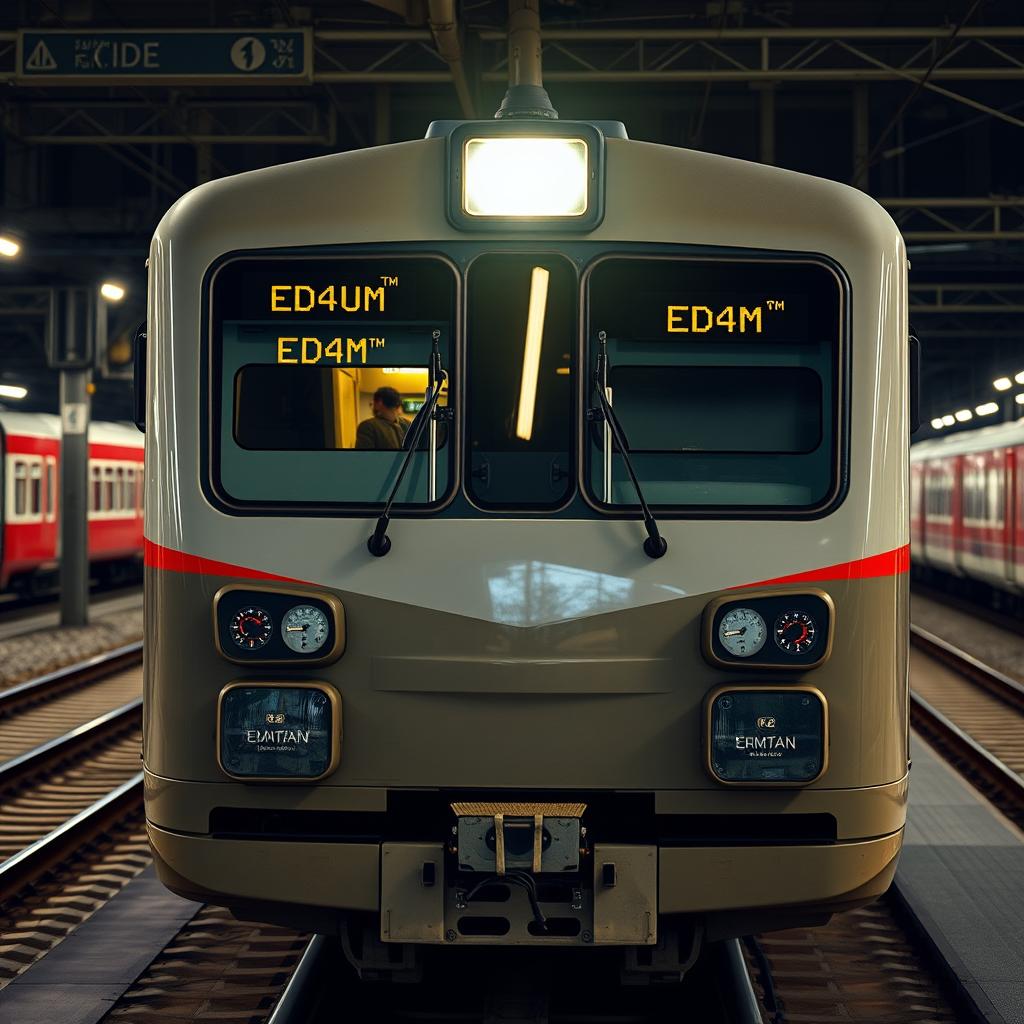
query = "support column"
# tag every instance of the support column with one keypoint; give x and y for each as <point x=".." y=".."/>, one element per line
<point x="74" y="466"/>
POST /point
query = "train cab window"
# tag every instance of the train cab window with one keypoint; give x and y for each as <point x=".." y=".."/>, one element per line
<point x="725" y="377"/>
<point x="520" y="339"/>
<point x="318" y="369"/>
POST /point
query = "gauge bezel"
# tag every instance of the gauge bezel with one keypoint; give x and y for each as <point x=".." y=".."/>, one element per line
<point x="336" y="727"/>
<point x="324" y="656"/>
<point x="749" y="599"/>
<point x="284" y="619"/>
<point x="764" y="625"/>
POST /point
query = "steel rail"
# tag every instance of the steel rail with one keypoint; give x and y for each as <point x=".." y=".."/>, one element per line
<point x="73" y="742"/>
<point x="746" y="1007"/>
<point x="70" y="676"/>
<point x="299" y="994"/>
<point x="28" y="864"/>
<point x="999" y="684"/>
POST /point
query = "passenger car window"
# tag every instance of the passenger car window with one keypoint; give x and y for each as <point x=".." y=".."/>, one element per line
<point x="318" y="366"/>
<point x="520" y="344"/>
<point x="725" y="376"/>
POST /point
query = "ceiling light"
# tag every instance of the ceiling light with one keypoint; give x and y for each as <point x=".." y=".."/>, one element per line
<point x="9" y="247"/>
<point x="963" y="415"/>
<point x="1019" y="399"/>
<point x="987" y="408"/>
<point x="1002" y="384"/>
<point x="948" y="420"/>
<point x="12" y="391"/>
<point x="111" y="291"/>
<point x="937" y="423"/>
<point x="1019" y="377"/>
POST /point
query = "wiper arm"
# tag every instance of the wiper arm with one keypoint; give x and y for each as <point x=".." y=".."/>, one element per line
<point x="379" y="543"/>
<point x="655" y="545"/>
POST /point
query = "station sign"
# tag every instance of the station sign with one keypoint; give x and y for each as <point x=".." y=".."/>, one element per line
<point x="165" y="56"/>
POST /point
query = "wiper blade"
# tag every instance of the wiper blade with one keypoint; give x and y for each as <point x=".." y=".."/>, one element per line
<point x="379" y="543"/>
<point x="655" y="545"/>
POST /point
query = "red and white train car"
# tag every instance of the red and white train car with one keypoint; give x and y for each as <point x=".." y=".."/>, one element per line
<point x="967" y="505"/>
<point x="30" y="510"/>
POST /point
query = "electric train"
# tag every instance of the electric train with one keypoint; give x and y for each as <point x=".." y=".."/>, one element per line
<point x="607" y="645"/>
<point x="967" y="507"/>
<point x="30" y="511"/>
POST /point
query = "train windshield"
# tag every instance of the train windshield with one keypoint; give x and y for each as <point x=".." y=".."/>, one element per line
<point x="521" y="333"/>
<point x="725" y="378"/>
<point x="319" y="366"/>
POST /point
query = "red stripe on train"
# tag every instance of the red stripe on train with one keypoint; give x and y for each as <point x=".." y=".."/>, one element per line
<point x="159" y="557"/>
<point x="889" y="563"/>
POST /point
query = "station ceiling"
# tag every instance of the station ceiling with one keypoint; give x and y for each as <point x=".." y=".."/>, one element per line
<point x="919" y="102"/>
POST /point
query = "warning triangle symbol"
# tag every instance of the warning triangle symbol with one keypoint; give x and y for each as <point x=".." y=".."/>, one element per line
<point x="41" y="59"/>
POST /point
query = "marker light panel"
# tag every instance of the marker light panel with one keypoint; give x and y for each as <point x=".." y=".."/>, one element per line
<point x="523" y="177"/>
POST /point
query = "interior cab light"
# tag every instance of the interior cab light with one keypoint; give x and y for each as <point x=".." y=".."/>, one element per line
<point x="937" y="423"/>
<point x="9" y="247"/>
<point x="1019" y="399"/>
<point x="987" y="408"/>
<point x="525" y="177"/>
<point x="963" y="415"/>
<point x="1019" y="377"/>
<point x="948" y="420"/>
<point x="1002" y="384"/>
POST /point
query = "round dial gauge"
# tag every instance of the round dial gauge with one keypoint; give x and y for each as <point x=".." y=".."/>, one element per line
<point x="251" y="628"/>
<point x="795" y="632"/>
<point x="742" y="632"/>
<point x="304" y="629"/>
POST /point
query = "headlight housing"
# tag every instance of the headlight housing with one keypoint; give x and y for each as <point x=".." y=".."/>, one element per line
<point x="526" y="175"/>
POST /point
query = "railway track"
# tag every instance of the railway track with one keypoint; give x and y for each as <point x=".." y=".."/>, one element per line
<point x="974" y="714"/>
<point x="64" y="779"/>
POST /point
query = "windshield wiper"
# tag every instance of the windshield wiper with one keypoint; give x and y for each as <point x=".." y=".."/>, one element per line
<point x="655" y="545"/>
<point x="379" y="543"/>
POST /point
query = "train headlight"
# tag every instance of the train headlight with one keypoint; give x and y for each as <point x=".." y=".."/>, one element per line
<point x="526" y="176"/>
<point x="766" y="736"/>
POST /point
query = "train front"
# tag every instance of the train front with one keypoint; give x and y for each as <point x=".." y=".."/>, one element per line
<point x="527" y="545"/>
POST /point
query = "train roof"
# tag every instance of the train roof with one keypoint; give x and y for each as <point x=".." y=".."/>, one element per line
<point x="983" y="439"/>
<point x="42" y="424"/>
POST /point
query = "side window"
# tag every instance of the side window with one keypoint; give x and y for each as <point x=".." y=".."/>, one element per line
<point x="95" y="488"/>
<point x="108" y="488"/>
<point x="36" y="489"/>
<point x="129" y="489"/>
<point x="51" y="488"/>
<point x="119" y="502"/>
<point x="20" y="488"/>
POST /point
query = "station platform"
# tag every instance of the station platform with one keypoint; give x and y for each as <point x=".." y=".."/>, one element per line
<point x="961" y="876"/>
<point x="80" y="980"/>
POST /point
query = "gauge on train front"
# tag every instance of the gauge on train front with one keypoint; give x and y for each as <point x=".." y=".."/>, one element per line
<point x="251" y="628"/>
